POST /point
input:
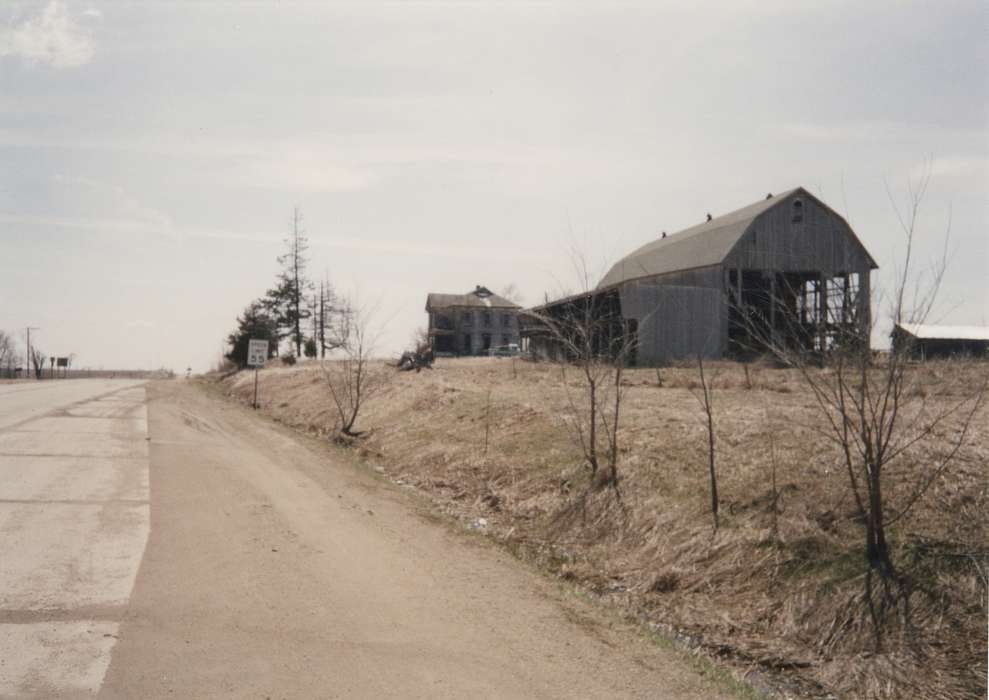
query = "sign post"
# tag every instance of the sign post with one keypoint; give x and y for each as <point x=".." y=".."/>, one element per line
<point x="257" y="354"/>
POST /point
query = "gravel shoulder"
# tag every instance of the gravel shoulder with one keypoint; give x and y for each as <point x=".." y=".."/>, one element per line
<point x="274" y="569"/>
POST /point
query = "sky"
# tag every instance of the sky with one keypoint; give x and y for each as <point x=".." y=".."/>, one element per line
<point x="151" y="153"/>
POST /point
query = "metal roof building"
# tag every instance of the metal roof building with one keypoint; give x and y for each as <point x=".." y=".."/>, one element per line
<point x="928" y="340"/>
<point x="787" y="265"/>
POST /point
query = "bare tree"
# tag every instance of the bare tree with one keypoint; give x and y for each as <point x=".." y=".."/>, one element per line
<point x="875" y="414"/>
<point x="419" y="338"/>
<point x="332" y="313"/>
<point x="6" y="349"/>
<point x="9" y="358"/>
<point x="38" y="362"/>
<point x="511" y="292"/>
<point x="354" y="378"/>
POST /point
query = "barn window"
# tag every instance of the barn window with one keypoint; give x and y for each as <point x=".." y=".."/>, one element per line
<point x="798" y="211"/>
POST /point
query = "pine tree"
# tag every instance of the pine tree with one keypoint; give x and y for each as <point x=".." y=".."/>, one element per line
<point x="288" y="298"/>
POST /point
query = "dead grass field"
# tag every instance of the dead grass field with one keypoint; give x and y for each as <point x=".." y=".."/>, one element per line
<point x="789" y="606"/>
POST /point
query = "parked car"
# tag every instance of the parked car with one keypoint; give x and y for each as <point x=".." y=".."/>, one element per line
<point x="510" y="350"/>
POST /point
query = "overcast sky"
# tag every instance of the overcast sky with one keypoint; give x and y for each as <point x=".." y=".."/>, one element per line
<point x="151" y="152"/>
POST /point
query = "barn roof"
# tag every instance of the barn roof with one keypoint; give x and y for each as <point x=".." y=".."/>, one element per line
<point x="705" y="244"/>
<point x="481" y="298"/>
<point x="926" y="331"/>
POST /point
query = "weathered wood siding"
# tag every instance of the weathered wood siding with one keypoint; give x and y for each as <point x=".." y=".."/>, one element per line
<point x="674" y="322"/>
<point x="821" y="242"/>
<point x="709" y="277"/>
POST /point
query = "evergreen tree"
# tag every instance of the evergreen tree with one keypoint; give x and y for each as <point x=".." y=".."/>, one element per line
<point x="258" y="322"/>
<point x="288" y="298"/>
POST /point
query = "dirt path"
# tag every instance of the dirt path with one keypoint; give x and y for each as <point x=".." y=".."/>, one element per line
<point x="273" y="572"/>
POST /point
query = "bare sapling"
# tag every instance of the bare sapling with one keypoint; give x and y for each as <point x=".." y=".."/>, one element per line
<point x="876" y="416"/>
<point x="705" y="398"/>
<point x="592" y="348"/>
<point x="487" y="422"/>
<point x="774" y="494"/>
<point x="354" y="378"/>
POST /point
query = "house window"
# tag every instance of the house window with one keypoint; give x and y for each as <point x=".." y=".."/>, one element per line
<point x="468" y="318"/>
<point x="798" y="211"/>
<point x="506" y="320"/>
<point x="467" y="344"/>
<point x="487" y="319"/>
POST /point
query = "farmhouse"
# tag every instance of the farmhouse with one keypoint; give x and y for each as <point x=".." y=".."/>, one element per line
<point x="471" y="323"/>
<point x="786" y="267"/>
<point x="928" y="341"/>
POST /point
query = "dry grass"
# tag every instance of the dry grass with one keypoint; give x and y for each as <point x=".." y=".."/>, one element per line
<point x="794" y="602"/>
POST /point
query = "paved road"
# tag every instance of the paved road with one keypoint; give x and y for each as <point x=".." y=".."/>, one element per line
<point x="274" y="570"/>
<point x="73" y="527"/>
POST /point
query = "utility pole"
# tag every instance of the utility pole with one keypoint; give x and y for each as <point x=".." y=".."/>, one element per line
<point x="28" y="358"/>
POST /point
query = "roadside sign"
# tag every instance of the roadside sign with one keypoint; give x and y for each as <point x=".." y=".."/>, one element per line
<point x="257" y="352"/>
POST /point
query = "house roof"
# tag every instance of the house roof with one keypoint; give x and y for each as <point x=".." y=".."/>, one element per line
<point x="705" y="244"/>
<point x="933" y="332"/>
<point x="481" y="298"/>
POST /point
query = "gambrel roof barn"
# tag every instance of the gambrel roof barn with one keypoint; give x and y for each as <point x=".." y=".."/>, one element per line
<point x="787" y="265"/>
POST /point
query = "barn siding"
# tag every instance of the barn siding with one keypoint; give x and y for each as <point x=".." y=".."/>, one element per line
<point x="707" y="277"/>
<point x="674" y="322"/>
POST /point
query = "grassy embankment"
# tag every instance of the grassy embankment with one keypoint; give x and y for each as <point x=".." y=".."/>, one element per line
<point x="790" y="601"/>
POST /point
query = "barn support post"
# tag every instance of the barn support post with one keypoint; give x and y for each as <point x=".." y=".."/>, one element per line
<point x="864" y="310"/>
<point x="773" y="291"/>
<point x="822" y="312"/>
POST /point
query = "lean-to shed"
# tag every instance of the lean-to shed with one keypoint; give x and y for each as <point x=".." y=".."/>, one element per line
<point x="928" y="340"/>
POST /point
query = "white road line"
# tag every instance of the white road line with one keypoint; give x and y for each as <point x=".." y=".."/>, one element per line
<point x="74" y="523"/>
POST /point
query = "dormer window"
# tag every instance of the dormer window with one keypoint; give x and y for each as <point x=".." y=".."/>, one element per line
<point x="798" y="211"/>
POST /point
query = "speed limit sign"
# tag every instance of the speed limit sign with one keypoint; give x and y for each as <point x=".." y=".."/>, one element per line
<point x="257" y="352"/>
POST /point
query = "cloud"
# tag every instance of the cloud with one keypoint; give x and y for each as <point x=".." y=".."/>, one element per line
<point x="50" y="37"/>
